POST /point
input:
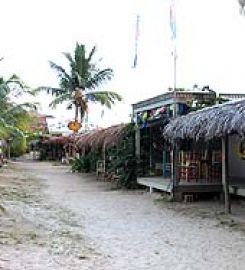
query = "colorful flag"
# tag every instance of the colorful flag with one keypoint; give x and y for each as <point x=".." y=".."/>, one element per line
<point x="172" y="19"/>
<point x="136" y="42"/>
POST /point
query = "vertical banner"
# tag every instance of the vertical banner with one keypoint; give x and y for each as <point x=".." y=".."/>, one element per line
<point x="172" y="19"/>
<point x="136" y="42"/>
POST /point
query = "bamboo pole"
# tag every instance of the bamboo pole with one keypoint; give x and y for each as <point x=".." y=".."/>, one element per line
<point x="225" y="180"/>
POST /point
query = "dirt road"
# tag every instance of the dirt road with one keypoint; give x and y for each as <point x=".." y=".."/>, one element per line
<point x="52" y="219"/>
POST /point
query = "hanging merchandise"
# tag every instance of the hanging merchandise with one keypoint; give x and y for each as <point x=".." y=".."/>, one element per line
<point x="144" y="125"/>
<point x="152" y="114"/>
<point x="163" y="110"/>
<point x="157" y="112"/>
<point x="145" y="116"/>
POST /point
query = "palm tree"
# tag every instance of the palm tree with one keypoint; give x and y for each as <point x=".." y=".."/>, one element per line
<point x="14" y="118"/>
<point x="79" y="85"/>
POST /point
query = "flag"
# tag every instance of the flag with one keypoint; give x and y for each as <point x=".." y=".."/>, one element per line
<point x="135" y="60"/>
<point x="172" y="19"/>
<point x="136" y="42"/>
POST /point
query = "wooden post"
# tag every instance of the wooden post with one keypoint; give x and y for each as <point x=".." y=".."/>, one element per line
<point x="225" y="181"/>
<point x="174" y="168"/>
<point x="150" y="154"/>
<point x="137" y="143"/>
<point x="104" y="152"/>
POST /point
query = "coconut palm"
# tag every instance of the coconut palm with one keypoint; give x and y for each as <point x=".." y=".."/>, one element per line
<point x="11" y="112"/>
<point x="77" y="87"/>
<point x="14" y="118"/>
<point x="11" y="89"/>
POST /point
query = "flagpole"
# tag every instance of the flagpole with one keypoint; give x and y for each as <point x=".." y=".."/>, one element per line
<point x="175" y="81"/>
<point x="174" y="53"/>
<point x="174" y="152"/>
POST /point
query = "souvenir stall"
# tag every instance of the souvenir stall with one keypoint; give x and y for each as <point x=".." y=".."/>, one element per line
<point x="152" y="148"/>
<point x="209" y="146"/>
<point x="152" y="152"/>
<point x="200" y="162"/>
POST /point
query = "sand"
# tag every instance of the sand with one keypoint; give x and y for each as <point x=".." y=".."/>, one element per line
<point x="62" y="221"/>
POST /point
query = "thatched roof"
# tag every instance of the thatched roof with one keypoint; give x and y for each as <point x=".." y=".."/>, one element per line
<point x="100" y="138"/>
<point x="60" y="140"/>
<point x="213" y="122"/>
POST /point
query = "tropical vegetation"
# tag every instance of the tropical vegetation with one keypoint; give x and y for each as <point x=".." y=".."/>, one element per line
<point x="80" y="85"/>
<point x="15" y="119"/>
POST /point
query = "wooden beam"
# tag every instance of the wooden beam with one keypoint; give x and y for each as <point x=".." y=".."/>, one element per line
<point x="225" y="181"/>
<point x="174" y="167"/>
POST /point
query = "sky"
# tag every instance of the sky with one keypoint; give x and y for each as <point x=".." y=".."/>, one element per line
<point x="210" y="46"/>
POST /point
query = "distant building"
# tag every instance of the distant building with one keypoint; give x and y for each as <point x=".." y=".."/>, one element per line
<point x="40" y="123"/>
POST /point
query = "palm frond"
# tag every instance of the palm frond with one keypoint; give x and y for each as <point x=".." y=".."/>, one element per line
<point x="30" y="105"/>
<point x="68" y="56"/>
<point x="16" y="80"/>
<point x="60" y="99"/>
<point x="18" y="87"/>
<point x="59" y="70"/>
<point x="80" y="58"/>
<point x="80" y="80"/>
<point x="4" y="90"/>
<point x="51" y="90"/>
<point x="99" y="78"/>
<point x="105" y="98"/>
<point x="72" y="63"/>
<point x="20" y="108"/>
<point x="83" y="65"/>
<point x="91" y="54"/>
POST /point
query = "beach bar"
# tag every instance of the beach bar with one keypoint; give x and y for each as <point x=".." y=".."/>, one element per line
<point x="153" y="152"/>
<point x="210" y="150"/>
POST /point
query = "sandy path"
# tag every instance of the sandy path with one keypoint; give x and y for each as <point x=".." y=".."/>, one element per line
<point x="115" y="230"/>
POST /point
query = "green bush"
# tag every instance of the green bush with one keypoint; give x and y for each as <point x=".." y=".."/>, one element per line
<point x="85" y="163"/>
<point x="122" y="159"/>
<point x="16" y="137"/>
<point x="18" y="146"/>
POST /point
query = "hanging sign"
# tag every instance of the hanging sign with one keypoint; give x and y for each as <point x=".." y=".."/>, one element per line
<point x="74" y="126"/>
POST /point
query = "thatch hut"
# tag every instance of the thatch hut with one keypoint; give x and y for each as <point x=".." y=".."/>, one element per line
<point x="222" y="127"/>
<point x="209" y="123"/>
<point x="112" y="149"/>
<point x="100" y="139"/>
<point x="53" y="148"/>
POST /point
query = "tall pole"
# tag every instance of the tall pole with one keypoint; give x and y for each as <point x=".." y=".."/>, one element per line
<point x="175" y="80"/>
<point x="172" y="22"/>
<point x="225" y="180"/>
<point x="174" y="152"/>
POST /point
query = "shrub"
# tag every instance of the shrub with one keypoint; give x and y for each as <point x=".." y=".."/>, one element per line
<point x="85" y="163"/>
